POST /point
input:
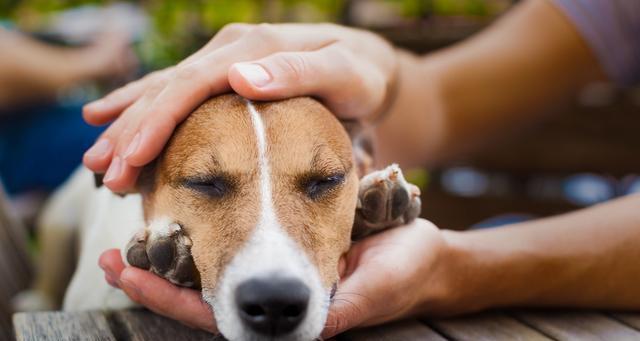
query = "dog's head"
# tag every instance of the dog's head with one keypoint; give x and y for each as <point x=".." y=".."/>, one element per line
<point x="267" y="194"/>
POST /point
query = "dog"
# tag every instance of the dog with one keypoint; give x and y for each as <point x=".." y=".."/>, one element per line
<point x="253" y="203"/>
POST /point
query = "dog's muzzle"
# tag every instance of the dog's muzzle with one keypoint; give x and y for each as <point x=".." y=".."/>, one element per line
<point x="272" y="306"/>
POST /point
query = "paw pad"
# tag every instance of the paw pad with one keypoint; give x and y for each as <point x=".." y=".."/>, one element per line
<point x="164" y="249"/>
<point x="385" y="199"/>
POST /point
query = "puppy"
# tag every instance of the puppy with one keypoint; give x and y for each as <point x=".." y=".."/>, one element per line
<point x="254" y="204"/>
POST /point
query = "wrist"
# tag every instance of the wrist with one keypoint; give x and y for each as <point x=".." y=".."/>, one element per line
<point x="464" y="283"/>
<point x="447" y="295"/>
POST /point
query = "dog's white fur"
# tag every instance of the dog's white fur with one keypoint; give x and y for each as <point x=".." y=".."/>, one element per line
<point x="109" y="221"/>
<point x="269" y="252"/>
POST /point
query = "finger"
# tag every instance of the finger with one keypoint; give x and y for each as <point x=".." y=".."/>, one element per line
<point x="121" y="177"/>
<point x="112" y="265"/>
<point x="112" y="282"/>
<point x="228" y="34"/>
<point x="166" y="299"/>
<point x="353" y="303"/>
<point x="190" y="85"/>
<point x="349" y="86"/>
<point x="111" y="262"/>
<point x="108" y="108"/>
<point x="112" y="143"/>
<point x="98" y="157"/>
<point x="351" y="306"/>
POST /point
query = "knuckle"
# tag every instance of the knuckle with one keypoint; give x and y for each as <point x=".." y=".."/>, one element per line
<point x="294" y="64"/>
<point x="346" y="58"/>
<point x="185" y="73"/>
<point x="266" y="34"/>
<point x="155" y="88"/>
<point x="234" y="29"/>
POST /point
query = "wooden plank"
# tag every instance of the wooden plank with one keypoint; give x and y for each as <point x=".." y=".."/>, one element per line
<point x="578" y="325"/>
<point x="141" y="325"/>
<point x="403" y="330"/>
<point x="630" y="319"/>
<point x="62" y="326"/>
<point x="486" y="326"/>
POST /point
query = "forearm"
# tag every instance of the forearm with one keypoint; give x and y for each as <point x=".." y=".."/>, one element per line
<point x="506" y="76"/>
<point x="589" y="258"/>
<point x="29" y="69"/>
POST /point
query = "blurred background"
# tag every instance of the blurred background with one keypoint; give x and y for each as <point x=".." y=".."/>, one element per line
<point x="55" y="55"/>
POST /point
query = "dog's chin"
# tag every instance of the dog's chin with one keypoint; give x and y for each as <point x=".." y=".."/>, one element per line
<point x="232" y="328"/>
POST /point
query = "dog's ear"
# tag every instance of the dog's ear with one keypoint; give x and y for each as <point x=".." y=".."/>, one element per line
<point x="144" y="183"/>
<point x="361" y="135"/>
<point x="147" y="179"/>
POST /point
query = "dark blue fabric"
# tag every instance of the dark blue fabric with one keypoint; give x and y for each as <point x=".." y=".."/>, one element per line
<point x="40" y="147"/>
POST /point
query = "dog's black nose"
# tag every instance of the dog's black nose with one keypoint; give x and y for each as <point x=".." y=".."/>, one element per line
<point x="272" y="306"/>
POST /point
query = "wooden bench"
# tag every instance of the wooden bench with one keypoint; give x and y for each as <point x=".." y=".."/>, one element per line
<point x="142" y="325"/>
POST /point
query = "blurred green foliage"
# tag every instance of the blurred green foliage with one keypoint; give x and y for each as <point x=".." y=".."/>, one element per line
<point x="181" y="26"/>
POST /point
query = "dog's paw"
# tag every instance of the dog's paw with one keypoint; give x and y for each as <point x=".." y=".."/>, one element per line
<point x="385" y="199"/>
<point x="165" y="250"/>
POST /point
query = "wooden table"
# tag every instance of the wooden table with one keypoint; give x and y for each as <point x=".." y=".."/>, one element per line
<point x="509" y="325"/>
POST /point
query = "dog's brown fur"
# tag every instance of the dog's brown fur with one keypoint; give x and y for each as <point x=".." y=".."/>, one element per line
<point x="224" y="144"/>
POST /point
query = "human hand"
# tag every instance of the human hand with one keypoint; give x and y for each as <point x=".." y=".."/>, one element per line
<point x="156" y="293"/>
<point x="349" y="70"/>
<point x="394" y="274"/>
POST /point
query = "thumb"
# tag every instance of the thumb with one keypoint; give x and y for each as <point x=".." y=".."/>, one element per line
<point x="351" y="307"/>
<point x="348" y="87"/>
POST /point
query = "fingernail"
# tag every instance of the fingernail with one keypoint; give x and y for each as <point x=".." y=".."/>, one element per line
<point x="133" y="146"/>
<point x="107" y="271"/>
<point x="98" y="105"/>
<point x="99" y="149"/>
<point x="254" y="73"/>
<point x="114" y="169"/>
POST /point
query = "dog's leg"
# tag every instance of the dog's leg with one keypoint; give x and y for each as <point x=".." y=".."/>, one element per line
<point x="385" y="199"/>
<point x="164" y="249"/>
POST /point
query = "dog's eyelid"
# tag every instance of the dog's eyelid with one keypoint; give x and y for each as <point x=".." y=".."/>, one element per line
<point x="210" y="185"/>
<point x="317" y="186"/>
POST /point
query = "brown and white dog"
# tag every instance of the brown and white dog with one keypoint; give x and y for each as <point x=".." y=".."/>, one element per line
<point x="254" y="203"/>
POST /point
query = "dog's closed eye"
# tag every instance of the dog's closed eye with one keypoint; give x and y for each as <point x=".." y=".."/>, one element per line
<point x="213" y="186"/>
<point x="316" y="187"/>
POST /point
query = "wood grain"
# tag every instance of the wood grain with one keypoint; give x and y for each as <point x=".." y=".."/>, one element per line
<point x="630" y="319"/>
<point x="142" y="325"/>
<point x="403" y="330"/>
<point x="578" y="325"/>
<point x="486" y="326"/>
<point x="56" y="326"/>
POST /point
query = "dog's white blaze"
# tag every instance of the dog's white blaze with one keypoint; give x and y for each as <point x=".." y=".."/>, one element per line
<point x="269" y="252"/>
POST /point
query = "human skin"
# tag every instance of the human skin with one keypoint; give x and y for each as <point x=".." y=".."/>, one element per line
<point x="35" y="71"/>
<point x="446" y="103"/>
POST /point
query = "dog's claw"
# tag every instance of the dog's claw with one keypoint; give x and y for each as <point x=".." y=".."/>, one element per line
<point x="385" y="199"/>
<point x="165" y="252"/>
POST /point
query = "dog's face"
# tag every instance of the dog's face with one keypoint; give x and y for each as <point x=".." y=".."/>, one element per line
<point x="267" y="194"/>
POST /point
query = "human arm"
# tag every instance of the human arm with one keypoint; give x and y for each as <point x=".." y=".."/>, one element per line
<point x="446" y="102"/>
<point x="455" y="99"/>
<point x="32" y="71"/>
<point x="586" y="259"/>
